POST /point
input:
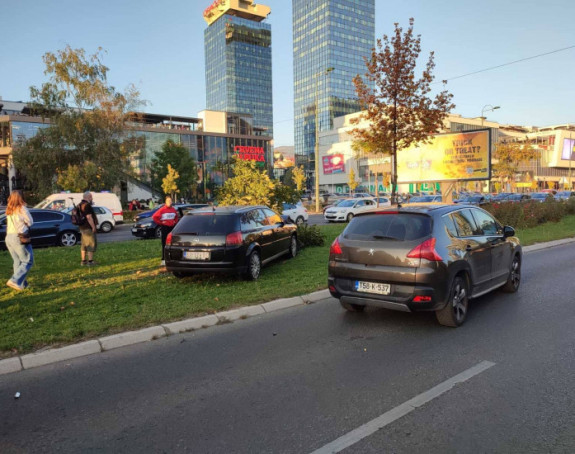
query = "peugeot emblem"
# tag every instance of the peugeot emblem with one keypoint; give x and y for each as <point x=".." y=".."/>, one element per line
<point x="196" y="240"/>
<point x="371" y="251"/>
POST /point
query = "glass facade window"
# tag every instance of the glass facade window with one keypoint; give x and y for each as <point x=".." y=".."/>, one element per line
<point x="22" y="131"/>
<point x="239" y="69"/>
<point x="334" y="34"/>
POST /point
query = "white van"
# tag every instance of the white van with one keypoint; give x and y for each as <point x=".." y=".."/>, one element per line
<point x="64" y="200"/>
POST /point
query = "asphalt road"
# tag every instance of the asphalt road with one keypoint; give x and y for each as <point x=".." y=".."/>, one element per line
<point x="122" y="232"/>
<point x="296" y="380"/>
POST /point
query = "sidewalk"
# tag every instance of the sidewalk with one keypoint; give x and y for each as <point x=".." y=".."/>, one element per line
<point x="103" y="344"/>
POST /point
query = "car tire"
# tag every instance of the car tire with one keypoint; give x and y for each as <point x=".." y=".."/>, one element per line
<point x="349" y="217"/>
<point x="514" y="279"/>
<point x="293" y="247"/>
<point x="455" y="311"/>
<point x="299" y="221"/>
<point x="254" y="266"/>
<point x="158" y="232"/>
<point x="106" y="227"/>
<point x="67" y="239"/>
<point x="352" y="307"/>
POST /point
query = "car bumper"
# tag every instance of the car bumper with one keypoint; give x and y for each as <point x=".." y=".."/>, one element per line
<point x="144" y="232"/>
<point x="335" y="217"/>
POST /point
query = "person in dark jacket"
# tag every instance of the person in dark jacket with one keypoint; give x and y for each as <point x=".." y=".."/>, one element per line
<point x="88" y="229"/>
<point x="166" y="217"/>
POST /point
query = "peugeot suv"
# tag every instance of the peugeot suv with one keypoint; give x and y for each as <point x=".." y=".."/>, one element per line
<point x="423" y="258"/>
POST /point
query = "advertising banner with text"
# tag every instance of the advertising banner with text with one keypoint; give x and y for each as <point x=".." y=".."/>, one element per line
<point x="449" y="157"/>
<point x="334" y="163"/>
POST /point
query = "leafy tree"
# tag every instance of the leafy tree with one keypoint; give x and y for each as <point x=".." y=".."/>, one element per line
<point x="169" y="183"/>
<point x="248" y="186"/>
<point x="283" y="193"/>
<point x="299" y="178"/>
<point x="352" y="182"/>
<point x="177" y="156"/>
<point x="508" y="156"/>
<point x="77" y="179"/>
<point x="87" y="123"/>
<point x="398" y="109"/>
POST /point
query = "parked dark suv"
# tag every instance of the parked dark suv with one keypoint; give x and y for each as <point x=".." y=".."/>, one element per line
<point x="237" y="239"/>
<point x="423" y="258"/>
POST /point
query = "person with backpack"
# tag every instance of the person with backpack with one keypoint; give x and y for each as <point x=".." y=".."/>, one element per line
<point x="18" y="223"/>
<point x="88" y="224"/>
<point x="166" y="217"/>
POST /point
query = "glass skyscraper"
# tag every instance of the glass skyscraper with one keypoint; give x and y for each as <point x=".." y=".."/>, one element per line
<point x="239" y="62"/>
<point x="327" y="34"/>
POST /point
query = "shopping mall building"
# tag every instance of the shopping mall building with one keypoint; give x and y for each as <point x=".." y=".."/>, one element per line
<point x="213" y="139"/>
<point x="552" y="169"/>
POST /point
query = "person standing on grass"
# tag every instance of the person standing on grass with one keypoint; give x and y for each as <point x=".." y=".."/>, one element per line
<point x="18" y="220"/>
<point x="88" y="230"/>
<point x="166" y="217"/>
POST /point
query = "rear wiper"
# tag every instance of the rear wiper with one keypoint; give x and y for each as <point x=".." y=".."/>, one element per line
<point x="383" y="237"/>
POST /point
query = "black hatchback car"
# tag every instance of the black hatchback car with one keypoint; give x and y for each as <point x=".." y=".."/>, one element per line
<point x="236" y="239"/>
<point x="50" y="228"/>
<point x="423" y="258"/>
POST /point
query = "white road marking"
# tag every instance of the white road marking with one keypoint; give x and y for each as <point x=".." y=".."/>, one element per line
<point x="392" y="415"/>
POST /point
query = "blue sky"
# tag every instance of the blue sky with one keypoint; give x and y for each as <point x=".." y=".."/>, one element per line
<point x="158" y="46"/>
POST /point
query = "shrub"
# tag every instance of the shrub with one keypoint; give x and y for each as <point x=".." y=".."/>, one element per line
<point x="310" y="235"/>
<point x="530" y="214"/>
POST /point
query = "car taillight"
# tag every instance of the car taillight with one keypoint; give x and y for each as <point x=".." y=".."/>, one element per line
<point x="422" y="299"/>
<point x="234" y="239"/>
<point x="335" y="248"/>
<point x="425" y="250"/>
<point x="169" y="239"/>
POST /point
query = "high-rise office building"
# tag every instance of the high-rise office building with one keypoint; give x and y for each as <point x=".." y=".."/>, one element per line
<point x="330" y="40"/>
<point x="239" y="61"/>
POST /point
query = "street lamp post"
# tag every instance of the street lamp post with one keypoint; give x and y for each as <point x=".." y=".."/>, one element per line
<point x="325" y="72"/>
<point x="488" y="108"/>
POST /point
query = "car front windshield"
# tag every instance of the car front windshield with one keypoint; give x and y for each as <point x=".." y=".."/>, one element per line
<point x="347" y="203"/>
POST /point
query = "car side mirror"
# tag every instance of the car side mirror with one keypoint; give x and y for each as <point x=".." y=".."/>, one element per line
<point x="508" y="231"/>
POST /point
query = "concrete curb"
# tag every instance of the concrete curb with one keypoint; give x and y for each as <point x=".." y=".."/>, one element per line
<point x="549" y="244"/>
<point x="55" y="355"/>
<point x="132" y="337"/>
<point x="16" y="364"/>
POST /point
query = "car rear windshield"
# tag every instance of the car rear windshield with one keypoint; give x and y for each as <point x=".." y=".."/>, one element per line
<point x="401" y="227"/>
<point x="208" y="224"/>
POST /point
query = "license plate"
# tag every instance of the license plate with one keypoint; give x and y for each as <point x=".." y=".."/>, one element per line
<point x="134" y="230"/>
<point x="195" y="255"/>
<point x="372" y="287"/>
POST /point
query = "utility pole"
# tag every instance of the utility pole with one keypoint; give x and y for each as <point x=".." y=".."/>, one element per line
<point x="325" y="72"/>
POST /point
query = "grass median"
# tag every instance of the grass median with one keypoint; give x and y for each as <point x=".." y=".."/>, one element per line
<point x="68" y="303"/>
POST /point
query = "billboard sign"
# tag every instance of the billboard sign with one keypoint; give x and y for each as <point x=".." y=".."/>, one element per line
<point x="568" y="149"/>
<point x="284" y="159"/>
<point x="333" y="164"/>
<point x="448" y="157"/>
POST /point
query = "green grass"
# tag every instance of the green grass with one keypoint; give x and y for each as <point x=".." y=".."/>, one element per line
<point x="68" y="303"/>
<point x="550" y="231"/>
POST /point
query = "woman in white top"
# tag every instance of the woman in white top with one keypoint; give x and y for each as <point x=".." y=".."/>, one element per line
<point x="18" y="220"/>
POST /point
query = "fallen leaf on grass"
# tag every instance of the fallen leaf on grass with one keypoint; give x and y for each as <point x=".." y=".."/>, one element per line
<point x="62" y="308"/>
<point x="216" y="299"/>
